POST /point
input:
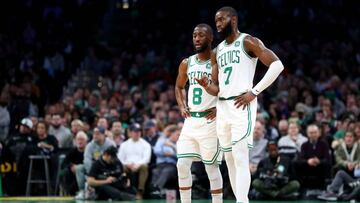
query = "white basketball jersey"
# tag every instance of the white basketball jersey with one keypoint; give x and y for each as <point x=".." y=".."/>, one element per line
<point x="198" y="98"/>
<point x="236" y="68"/>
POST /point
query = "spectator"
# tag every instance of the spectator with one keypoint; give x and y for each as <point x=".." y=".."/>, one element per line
<point x="135" y="154"/>
<point x="258" y="152"/>
<point x="274" y="177"/>
<point x="165" y="151"/>
<point x="342" y="179"/>
<point x="117" y="133"/>
<point x="348" y="153"/>
<point x="4" y="119"/>
<point x="151" y="135"/>
<point x="283" y="127"/>
<point x="20" y="145"/>
<point x="74" y="158"/>
<point x="290" y="145"/>
<point x="76" y="126"/>
<point x="46" y="144"/>
<point x="314" y="162"/>
<point x="92" y="153"/>
<point x="108" y="178"/>
<point x="62" y="133"/>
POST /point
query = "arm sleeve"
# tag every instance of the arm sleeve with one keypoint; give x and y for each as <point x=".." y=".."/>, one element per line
<point x="270" y="76"/>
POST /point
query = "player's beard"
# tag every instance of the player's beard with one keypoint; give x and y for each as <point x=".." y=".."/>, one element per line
<point x="202" y="48"/>
<point x="226" y="31"/>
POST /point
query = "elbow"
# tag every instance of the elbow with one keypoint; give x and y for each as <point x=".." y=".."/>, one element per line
<point x="277" y="65"/>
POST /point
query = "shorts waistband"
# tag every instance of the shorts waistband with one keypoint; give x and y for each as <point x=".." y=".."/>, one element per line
<point x="199" y="114"/>
<point x="227" y="98"/>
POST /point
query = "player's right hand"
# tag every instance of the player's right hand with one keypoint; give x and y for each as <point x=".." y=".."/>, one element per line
<point x="204" y="81"/>
<point x="212" y="113"/>
<point x="185" y="112"/>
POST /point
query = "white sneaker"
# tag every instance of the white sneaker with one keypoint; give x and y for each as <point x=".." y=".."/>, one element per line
<point x="80" y="195"/>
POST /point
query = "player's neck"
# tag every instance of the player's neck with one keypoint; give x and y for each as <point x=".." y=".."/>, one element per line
<point x="204" y="56"/>
<point x="232" y="37"/>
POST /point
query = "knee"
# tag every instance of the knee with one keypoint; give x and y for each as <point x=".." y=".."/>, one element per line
<point x="183" y="167"/>
<point x="143" y="168"/>
<point x="295" y="184"/>
<point x="213" y="172"/>
<point x="80" y="170"/>
<point x="257" y="183"/>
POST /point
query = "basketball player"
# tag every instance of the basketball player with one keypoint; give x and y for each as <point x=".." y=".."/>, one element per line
<point x="198" y="139"/>
<point x="233" y="69"/>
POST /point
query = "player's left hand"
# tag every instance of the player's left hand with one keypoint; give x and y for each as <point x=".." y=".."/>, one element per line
<point x="212" y="113"/>
<point x="244" y="99"/>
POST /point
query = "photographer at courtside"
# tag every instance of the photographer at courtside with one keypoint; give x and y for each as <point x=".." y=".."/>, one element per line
<point x="108" y="178"/>
<point x="273" y="177"/>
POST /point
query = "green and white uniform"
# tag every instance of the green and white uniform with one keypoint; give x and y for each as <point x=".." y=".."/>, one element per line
<point x="198" y="138"/>
<point x="236" y="73"/>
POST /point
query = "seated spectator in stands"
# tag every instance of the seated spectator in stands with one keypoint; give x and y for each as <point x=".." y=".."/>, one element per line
<point x="283" y="127"/>
<point x="19" y="141"/>
<point x="4" y="119"/>
<point x="72" y="160"/>
<point x="135" y="154"/>
<point x="62" y="133"/>
<point x="258" y="152"/>
<point x="47" y="144"/>
<point x="347" y="155"/>
<point x="19" y="145"/>
<point x="290" y="145"/>
<point x="165" y="151"/>
<point x="92" y="153"/>
<point x="357" y="132"/>
<point x="117" y="133"/>
<point x="345" y="181"/>
<point x="151" y="135"/>
<point x="103" y="122"/>
<point x="108" y="178"/>
<point x="76" y="126"/>
<point x="274" y="177"/>
<point x="314" y="163"/>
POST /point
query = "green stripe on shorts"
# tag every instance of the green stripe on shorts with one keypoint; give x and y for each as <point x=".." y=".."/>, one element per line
<point x="248" y="127"/>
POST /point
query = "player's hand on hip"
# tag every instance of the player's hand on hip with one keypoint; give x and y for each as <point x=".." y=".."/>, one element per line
<point x="204" y="81"/>
<point x="244" y="99"/>
<point x="185" y="112"/>
<point x="211" y="113"/>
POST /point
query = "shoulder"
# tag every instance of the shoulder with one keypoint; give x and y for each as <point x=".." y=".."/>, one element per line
<point x="144" y="142"/>
<point x="185" y="62"/>
<point x="251" y="40"/>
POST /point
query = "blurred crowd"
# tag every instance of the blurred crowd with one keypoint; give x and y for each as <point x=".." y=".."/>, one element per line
<point x="310" y="117"/>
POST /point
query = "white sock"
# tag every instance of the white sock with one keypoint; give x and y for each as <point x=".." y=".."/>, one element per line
<point x="216" y="181"/>
<point x="243" y="178"/>
<point x="185" y="196"/>
<point x="230" y="163"/>
<point x="217" y="198"/>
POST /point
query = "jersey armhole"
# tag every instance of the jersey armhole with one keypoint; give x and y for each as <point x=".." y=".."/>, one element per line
<point x="243" y="46"/>
<point x="188" y="64"/>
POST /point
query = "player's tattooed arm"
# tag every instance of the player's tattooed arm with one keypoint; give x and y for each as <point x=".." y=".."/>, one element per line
<point x="180" y="92"/>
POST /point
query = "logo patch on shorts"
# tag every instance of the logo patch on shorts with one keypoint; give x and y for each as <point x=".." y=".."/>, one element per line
<point x="210" y="121"/>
